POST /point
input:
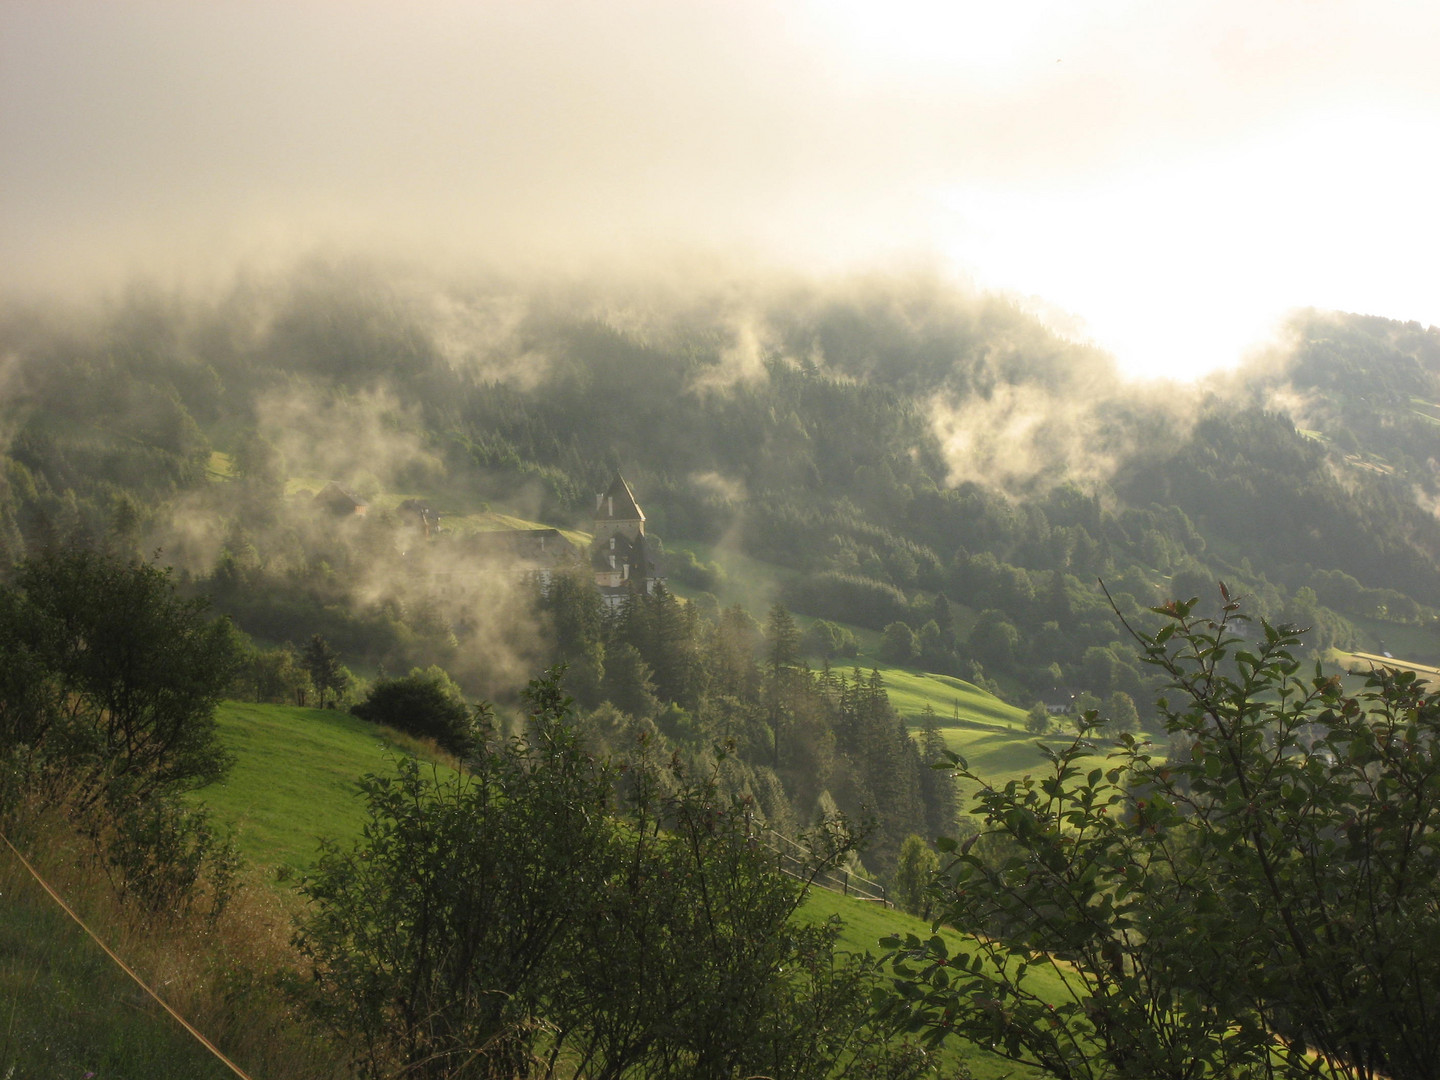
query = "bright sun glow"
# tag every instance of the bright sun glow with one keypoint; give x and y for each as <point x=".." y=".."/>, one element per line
<point x="1178" y="268"/>
<point x="983" y="39"/>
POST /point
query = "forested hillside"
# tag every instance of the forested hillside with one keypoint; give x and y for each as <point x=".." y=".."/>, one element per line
<point x="904" y="456"/>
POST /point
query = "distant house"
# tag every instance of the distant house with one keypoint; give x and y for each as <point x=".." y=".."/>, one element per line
<point x="1059" y="702"/>
<point x="624" y="559"/>
<point x="341" y="501"/>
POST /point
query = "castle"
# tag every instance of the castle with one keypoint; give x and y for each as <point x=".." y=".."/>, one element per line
<point x="623" y="558"/>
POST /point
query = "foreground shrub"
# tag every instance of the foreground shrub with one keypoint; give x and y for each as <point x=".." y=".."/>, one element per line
<point x="513" y="921"/>
<point x="107" y="716"/>
<point x="166" y="857"/>
<point x="109" y="678"/>
<point x="424" y="703"/>
<point x="1264" y="902"/>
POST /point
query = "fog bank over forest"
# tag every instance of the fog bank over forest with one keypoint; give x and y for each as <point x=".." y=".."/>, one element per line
<point x="350" y="348"/>
<point x="1008" y="402"/>
<point x="880" y="450"/>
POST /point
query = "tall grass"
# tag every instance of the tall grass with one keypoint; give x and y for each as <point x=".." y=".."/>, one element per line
<point x="66" y="1010"/>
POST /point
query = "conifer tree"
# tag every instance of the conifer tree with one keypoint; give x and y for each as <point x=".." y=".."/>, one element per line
<point x="323" y="664"/>
<point x="782" y="639"/>
<point x="937" y="786"/>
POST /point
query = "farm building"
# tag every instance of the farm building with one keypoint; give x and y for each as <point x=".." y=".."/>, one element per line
<point x="341" y="501"/>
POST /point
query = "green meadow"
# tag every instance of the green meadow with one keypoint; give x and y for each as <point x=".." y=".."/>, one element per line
<point x="987" y="732"/>
<point x="295" y="779"/>
<point x="955" y="701"/>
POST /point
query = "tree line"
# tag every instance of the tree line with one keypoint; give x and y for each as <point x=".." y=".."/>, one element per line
<point x="801" y="741"/>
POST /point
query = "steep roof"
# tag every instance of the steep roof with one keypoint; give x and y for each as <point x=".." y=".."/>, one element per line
<point x="340" y="500"/>
<point x="334" y="489"/>
<point x="622" y="548"/>
<point x="618" y="504"/>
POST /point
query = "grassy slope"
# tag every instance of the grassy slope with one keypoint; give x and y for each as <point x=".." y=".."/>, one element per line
<point x="910" y="691"/>
<point x="66" y="1010"/>
<point x="1418" y="644"/>
<point x="458" y="515"/>
<point x="989" y="733"/>
<point x="294" y="779"/>
<point x="296" y="770"/>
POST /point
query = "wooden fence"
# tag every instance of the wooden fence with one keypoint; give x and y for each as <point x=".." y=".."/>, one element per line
<point x="798" y="862"/>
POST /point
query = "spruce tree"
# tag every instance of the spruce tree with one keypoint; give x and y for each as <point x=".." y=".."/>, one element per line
<point x="323" y="665"/>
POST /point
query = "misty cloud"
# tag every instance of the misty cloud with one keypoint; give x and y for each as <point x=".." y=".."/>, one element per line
<point x="1306" y="409"/>
<point x="726" y="488"/>
<point x="1014" y="439"/>
<point x="481" y="335"/>
<point x="740" y="362"/>
<point x="1042" y="147"/>
<point x="487" y="604"/>
<point x="1021" y="438"/>
<point x="361" y="439"/>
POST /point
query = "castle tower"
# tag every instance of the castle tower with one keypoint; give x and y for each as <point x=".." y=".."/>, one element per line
<point x="618" y="514"/>
<point x="621" y="554"/>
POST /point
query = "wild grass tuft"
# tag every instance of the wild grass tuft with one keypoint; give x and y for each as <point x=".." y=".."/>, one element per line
<point x="69" y="1010"/>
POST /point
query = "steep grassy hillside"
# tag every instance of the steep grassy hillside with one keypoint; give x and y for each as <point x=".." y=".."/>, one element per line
<point x="989" y="734"/>
<point x="295" y="773"/>
<point x="952" y="699"/>
<point x="295" y="777"/>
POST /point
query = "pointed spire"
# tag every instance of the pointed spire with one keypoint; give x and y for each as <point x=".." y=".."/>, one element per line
<point x="618" y="504"/>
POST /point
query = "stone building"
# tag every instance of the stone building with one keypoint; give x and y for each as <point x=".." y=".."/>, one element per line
<point x="624" y="559"/>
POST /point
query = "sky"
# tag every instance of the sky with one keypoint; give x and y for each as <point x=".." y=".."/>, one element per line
<point x="1164" y="179"/>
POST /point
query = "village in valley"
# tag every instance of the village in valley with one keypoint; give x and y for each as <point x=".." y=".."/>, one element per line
<point x="623" y="559"/>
